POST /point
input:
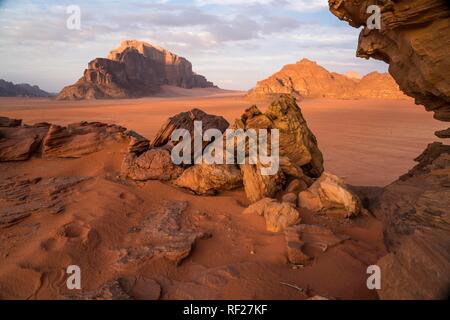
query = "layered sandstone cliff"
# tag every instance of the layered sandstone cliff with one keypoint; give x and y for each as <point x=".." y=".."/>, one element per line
<point x="135" y="69"/>
<point x="308" y="79"/>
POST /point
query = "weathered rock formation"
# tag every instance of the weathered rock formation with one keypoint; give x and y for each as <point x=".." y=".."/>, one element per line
<point x="9" y="89"/>
<point x="135" y="69"/>
<point x="416" y="212"/>
<point x="19" y="141"/>
<point x="309" y="80"/>
<point x="79" y="139"/>
<point x="331" y="196"/>
<point x="413" y="40"/>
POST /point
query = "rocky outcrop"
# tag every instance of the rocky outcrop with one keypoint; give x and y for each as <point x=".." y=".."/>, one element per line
<point x="19" y="141"/>
<point x="9" y="89"/>
<point x="416" y="212"/>
<point x="307" y="79"/>
<point x="331" y="196"/>
<point x="278" y="215"/>
<point x="135" y="69"/>
<point x="413" y="40"/>
<point x="210" y="178"/>
<point x="79" y="139"/>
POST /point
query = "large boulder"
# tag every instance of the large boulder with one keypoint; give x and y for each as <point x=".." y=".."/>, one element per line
<point x="185" y="120"/>
<point x="209" y="179"/>
<point x="80" y="139"/>
<point x="278" y="215"/>
<point x="330" y="195"/>
<point x="416" y="212"/>
<point x="297" y="143"/>
<point x="154" y="164"/>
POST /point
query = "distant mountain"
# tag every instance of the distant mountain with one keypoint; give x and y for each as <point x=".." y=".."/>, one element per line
<point x="135" y="69"/>
<point x="9" y="89"/>
<point x="308" y="79"/>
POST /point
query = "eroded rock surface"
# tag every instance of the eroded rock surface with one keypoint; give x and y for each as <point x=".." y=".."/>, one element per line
<point x="79" y="139"/>
<point x="18" y="143"/>
<point x="154" y="164"/>
<point x="19" y="199"/>
<point x="164" y="234"/>
<point x="416" y="211"/>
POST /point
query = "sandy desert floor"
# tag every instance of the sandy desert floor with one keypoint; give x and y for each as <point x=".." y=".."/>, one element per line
<point x="102" y="228"/>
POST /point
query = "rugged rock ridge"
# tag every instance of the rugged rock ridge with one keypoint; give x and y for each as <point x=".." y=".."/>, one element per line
<point x="9" y="89"/>
<point x="414" y="41"/>
<point x="308" y="79"/>
<point x="135" y="69"/>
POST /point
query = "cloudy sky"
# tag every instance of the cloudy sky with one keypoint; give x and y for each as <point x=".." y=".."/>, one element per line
<point x="234" y="43"/>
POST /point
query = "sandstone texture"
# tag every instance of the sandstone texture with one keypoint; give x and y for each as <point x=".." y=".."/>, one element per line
<point x="330" y="195"/>
<point x="79" y="139"/>
<point x="416" y="211"/>
<point x="413" y="40"/>
<point x="307" y="79"/>
<point x="154" y="164"/>
<point x="135" y="69"/>
<point x="210" y="178"/>
<point x="17" y="142"/>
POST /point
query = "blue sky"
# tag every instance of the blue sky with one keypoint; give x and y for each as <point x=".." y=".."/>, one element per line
<point x="234" y="43"/>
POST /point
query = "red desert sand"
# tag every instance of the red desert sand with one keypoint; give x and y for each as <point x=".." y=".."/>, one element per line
<point x="365" y="142"/>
